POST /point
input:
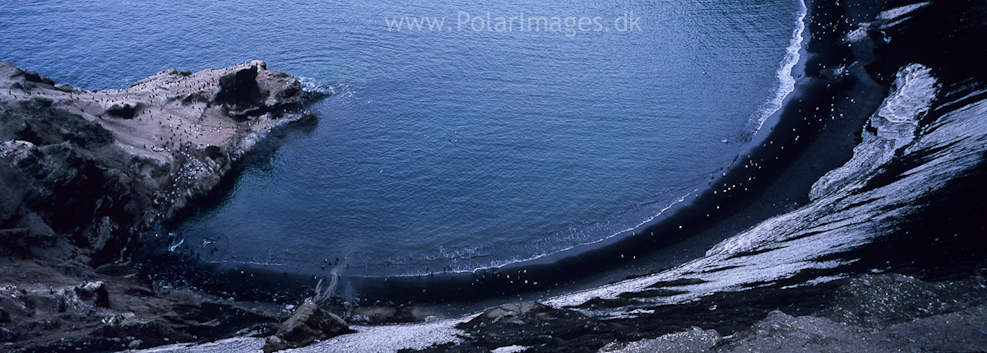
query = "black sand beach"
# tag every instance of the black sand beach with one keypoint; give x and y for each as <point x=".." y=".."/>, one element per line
<point x="927" y="267"/>
<point x="795" y="148"/>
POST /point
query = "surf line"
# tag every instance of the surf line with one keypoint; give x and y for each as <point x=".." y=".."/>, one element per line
<point x="786" y="81"/>
<point x="786" y="85"/>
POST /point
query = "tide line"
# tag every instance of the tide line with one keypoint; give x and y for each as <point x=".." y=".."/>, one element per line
<point x="786" y="82"/>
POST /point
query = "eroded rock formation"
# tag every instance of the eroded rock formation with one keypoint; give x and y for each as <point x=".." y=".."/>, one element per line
<point x="308" y="324"/>
<point x="87" y="174"/>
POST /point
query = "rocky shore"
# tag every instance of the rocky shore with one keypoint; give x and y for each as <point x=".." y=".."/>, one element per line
<point x="873" y="313"/>
<point x="92" y="175"/>
<point x="88" y="177"/>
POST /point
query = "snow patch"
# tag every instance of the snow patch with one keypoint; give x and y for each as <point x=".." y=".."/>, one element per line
<point x="391" y="338"/>
<point x="897" y="12"/>
<point x="895" y="124"/>
<point x="840" y="217"/>
<point x="857" y="35"/>
<point x="510" y="349"/>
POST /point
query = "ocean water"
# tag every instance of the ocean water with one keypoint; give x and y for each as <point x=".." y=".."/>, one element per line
<point x="851" y="206"/>
<point x="476" y="144"/>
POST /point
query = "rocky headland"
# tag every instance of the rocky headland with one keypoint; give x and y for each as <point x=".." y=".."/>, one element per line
<point x="88" y="177"/>
<point x="861" y="262"/>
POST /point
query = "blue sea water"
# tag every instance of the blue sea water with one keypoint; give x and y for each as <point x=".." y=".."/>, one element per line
<point x="459" y="147"/>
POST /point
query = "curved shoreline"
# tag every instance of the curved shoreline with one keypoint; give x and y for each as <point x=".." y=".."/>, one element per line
<point x="630" y="316"/>
<point x="61" y="298"/>
<point x="820" y="296"/>
<point x="789" y="133"/>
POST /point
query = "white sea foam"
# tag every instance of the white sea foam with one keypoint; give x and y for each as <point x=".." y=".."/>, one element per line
<point x="252" y="263"/>
<point x="505" y="262"/>
<point x="785" y="87"/>
<point x="312" y="85"/>
<point x="786" y="82"/>
<point x="840" y="217"/>
<point x="612" y="234"/>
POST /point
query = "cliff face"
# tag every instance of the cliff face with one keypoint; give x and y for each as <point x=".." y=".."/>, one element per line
<point x="86" y="175"/>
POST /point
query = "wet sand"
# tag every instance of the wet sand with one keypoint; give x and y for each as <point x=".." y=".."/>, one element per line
<point x="814" y="132"/>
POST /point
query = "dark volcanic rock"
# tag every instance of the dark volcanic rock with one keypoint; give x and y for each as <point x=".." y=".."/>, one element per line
<point x="98" y="169"/>
<point x="32" y="76"/>
<point x="523" y="313"/>
<point x="7" y="335"/>
<point x="125" y="110"/>
<point x="86" y="176"/>
<point x="94" y="292"/>
<point x="240" y="87"/>
<point x="874" y="300"/>
<point x="247" y="97"/>
<point x="307" y="325"/>
<point x="691" y="340"/>
<point x="877" y="313"/>
<point x="532" y="324"/>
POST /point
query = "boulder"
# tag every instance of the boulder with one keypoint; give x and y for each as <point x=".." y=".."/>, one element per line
<point x="124" y="110"/>
<point x="94" y="292"/>
<point x="308" y="324"/>
<point x="239" y="88"/>
<point x="32" y="76"/>
<point x="15" y="153"/>
<point x="522" y="313"/>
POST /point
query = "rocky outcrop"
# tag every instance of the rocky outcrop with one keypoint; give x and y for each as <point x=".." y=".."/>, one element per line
<point x="307" y="325"/>
<point x="86" y="175"/>
<point x="98" y="168"/>
<point x="48" y="310"/>
<point x="523" y="313"/>
<point x="872" y="313"/>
